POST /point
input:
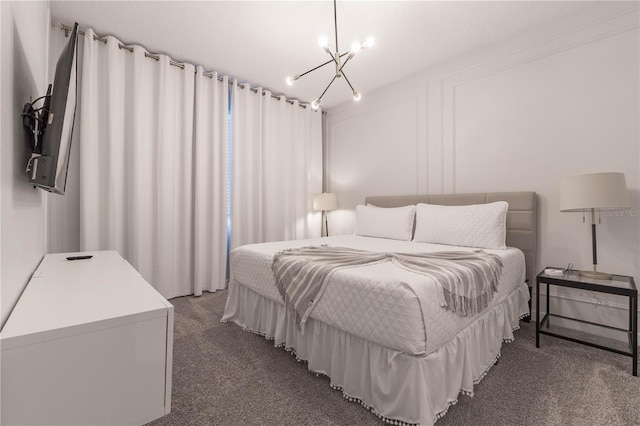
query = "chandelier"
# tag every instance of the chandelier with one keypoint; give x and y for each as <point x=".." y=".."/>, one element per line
<point x="336" y="58"/>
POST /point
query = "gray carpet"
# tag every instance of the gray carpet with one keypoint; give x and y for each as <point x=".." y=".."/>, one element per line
<point x="225" y="376"/>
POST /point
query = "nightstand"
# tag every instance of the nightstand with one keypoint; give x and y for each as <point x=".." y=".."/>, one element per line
<point x="620" y="285"/>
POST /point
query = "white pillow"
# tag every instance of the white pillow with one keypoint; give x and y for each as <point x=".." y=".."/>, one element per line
<point x="395" y="222"/>
<point x="476" y="225"/>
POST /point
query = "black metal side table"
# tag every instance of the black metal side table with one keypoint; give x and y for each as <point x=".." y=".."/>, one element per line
<point x="620" y="284"/>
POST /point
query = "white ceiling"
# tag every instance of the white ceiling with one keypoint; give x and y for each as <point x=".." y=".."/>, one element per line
<point x="262" y="42"/>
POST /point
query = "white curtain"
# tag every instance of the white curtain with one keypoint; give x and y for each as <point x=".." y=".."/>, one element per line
<point x="139" y="168"/>
<point x="210" y="182"/>
<point x="246" y="167"/>
<point x="154" y="166"/>
<point x="277" y="167"/>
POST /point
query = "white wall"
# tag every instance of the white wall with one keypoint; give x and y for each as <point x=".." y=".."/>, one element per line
<point x="23" y="51"/>
<point x="559" y="100"/>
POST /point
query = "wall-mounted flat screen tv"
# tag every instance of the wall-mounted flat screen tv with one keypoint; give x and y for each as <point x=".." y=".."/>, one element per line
<point x="50" y="158"/>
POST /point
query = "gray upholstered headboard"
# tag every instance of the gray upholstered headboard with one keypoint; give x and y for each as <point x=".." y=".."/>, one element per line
<point x="522" y="222"/>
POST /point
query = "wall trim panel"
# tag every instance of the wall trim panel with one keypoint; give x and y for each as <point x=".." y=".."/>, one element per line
<point x="584" y="35"/>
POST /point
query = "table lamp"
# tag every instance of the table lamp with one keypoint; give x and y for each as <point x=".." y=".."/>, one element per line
<point x="325" y="202"/>
<point x="594" y="192"/>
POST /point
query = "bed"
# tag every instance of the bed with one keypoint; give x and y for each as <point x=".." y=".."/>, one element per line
<point x="378" y="332"/>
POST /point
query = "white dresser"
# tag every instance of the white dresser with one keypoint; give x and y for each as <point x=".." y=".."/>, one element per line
<point x="89" y="343"/>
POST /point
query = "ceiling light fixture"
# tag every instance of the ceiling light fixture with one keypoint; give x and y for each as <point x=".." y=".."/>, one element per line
<point x="336" y="57"/>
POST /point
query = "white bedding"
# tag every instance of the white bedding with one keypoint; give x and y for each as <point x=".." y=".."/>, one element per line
<point x="381" y="303"/>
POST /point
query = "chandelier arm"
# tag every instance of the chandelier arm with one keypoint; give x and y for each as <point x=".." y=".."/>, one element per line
<point x="348" y="82"/>
<point x="319" y="66"/>
<point x="329" y="85"/>
<point x="334" y="59"/>
<point x="322" y="65"/>
<point x="345" y="63"/>
<point x="335" y="21"/>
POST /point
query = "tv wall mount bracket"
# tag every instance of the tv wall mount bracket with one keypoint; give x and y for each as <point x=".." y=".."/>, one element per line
<point x="33" y="120"/>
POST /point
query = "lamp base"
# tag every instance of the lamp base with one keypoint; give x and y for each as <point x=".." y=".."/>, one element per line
<point x="594" y="275"/>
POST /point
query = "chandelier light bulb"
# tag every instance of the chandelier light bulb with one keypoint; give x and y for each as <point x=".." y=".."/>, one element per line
<point x="315" y="104"/>
<point x="369" y="42"/>
<point x="323" y="42"/>
<point x="355" y="48"/>
<point x="291" y="80"/>
<point x="356" y="96"/>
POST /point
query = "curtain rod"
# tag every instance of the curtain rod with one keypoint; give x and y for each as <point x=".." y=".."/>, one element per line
<point x="67" y="29"/>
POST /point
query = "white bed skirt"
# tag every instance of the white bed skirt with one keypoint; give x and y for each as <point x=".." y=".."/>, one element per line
<point x="397" y="387"/>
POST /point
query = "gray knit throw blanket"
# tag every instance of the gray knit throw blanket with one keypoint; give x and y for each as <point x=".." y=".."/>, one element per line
<point x="466" y="281"/>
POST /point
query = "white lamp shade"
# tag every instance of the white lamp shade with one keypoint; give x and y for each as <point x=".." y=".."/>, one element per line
<point x="325" y="201"/>
<point x="599" y="191"/>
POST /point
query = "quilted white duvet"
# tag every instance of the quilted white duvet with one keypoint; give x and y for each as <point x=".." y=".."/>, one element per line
<point x="381" y="303"/>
